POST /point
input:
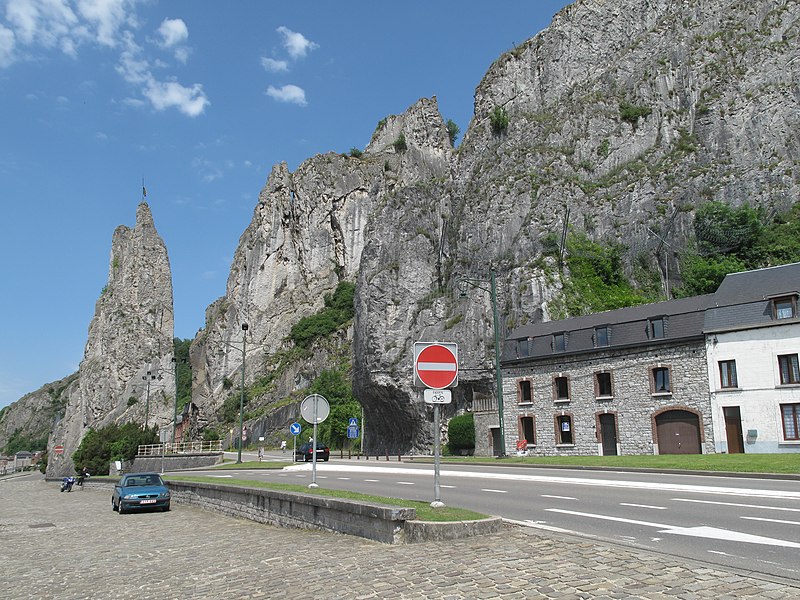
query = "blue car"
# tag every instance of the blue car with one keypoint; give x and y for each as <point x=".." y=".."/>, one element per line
<point x="140" y="490"/>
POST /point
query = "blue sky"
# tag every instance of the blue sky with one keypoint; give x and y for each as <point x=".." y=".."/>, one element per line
<point x="200" y="99"/>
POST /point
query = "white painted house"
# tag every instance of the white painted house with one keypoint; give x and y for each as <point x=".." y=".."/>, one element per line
<point x="752" y="333"/>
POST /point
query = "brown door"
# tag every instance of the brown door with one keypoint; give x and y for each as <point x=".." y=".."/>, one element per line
<point x="678" y="432"/>
<point x="494" y="435"/>
<point x="733" y="429"/>
<point x="608" y="434"/>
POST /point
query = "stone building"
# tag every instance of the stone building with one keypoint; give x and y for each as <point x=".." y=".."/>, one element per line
<point x="627" y="381"/>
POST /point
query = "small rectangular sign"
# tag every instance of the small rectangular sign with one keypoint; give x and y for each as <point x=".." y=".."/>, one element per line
<point x="437" y="396"/>
<point x="352" y="432"/>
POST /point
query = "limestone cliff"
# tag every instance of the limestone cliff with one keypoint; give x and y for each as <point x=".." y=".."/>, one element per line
<point x="629" y="113"/>
<point x="130" y="335"/>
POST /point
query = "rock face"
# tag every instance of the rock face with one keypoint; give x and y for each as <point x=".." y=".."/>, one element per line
<point x="32" y="416"/>
<point x="130" y="335"/>
<point x="628" y="113"/>
<point x="618" y="121"/>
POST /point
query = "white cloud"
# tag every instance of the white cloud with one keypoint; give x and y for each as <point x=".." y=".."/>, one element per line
<point x="288" y="93"/>
<point x="191" y="101"/>
<point x="7" y="42"/>
<point x="173" y="32"/>
<point x="67" y="24"/>
<point x="296" y="43"/>
<point x="107" y="16"/>
<point x="41" y="22"/>
<point x="274" y="66"/>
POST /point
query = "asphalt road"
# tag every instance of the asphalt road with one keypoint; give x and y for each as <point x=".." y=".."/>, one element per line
<point x="749" y="524"/>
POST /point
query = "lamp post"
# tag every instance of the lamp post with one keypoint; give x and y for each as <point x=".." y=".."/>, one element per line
<point x="463" y="283"/>
<point x="175" y="412"/>
<point x="241" y="400"/>
<point x="149" y="377"/>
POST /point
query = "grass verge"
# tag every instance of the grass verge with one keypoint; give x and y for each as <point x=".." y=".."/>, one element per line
<point x="424" y="510"/>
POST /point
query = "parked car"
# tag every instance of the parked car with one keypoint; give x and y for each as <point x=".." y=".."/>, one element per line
<point x="140" y="490"/>
<point x="306" y="453"/>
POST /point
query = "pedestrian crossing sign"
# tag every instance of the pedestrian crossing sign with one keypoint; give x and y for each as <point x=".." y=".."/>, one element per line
<point x="353" y="422"/>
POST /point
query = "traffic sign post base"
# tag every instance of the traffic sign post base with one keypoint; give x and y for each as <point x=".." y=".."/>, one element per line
<point x="313" y="486"/>
<point x="437" y="504"/>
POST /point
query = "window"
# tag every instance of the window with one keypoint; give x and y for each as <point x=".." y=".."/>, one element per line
<point x="564" y="430"/>
<point x="661" y="380"/>
<point x="656" y="328"/>
<point x="790" y="415"/>
<point x="523" y="348"/>
<point x="727" y="374"/>
<point x="527" y="431"/>
<point x="524" y="396"/>
<point x="784" y="308"/>
<point x="559" y="342"/>
<point x="601" y="336"/>
<point x="602" y="385"/>
<point x="561" y="388"/>
<point x="789" y="368"/>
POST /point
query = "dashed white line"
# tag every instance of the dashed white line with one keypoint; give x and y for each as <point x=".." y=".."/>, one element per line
<point x="771" y="520"/>
<point x="735" y="504"/>
<point x="494" y="491"/>
<point x="372" y="480"/>
<point x="558" y="497"/>
<point x="643" y="506"/>
<point x="404" y="482"/>
<point x="343" y="478"/>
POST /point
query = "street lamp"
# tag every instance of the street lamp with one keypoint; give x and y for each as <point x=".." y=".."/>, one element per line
<point x="149" y="377"/>
<point x="175" y="412"/>
<point x="241" y="400"/>
<point x="463" y="284"/>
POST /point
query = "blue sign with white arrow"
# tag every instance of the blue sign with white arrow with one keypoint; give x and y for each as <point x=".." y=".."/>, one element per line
<point x="294" y="428"/>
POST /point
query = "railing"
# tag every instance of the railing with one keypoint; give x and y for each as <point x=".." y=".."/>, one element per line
<point x="179" y="448"/>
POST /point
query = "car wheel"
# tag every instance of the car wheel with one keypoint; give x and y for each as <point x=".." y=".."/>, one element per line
<point x="326" y="459"/>
<point x="113" y="505"/>
<point x="166" y="508"/>
<point x="121" y="508"/>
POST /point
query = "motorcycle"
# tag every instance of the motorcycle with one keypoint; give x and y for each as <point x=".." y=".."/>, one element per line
<point x="67" y="483"/>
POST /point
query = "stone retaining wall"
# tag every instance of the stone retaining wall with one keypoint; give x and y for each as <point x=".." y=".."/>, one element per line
<point x="390" y="525"/>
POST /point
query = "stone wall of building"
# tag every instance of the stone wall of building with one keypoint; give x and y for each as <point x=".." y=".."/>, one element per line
<point x="633" y="401"/>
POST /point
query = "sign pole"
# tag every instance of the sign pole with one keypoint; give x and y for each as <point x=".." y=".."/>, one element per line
<point x="437" y="498"/>
<point x="313" y="483"/>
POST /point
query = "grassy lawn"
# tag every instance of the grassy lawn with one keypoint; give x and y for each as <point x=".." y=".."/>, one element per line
<point x="738" y="463"/>
<point x="424" y="510"/>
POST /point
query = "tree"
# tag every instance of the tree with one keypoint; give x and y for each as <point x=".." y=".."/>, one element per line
<point x="461" y="433"/>
<point x="335" y="386"/>
<point x="452" y="131"/>
<point x="113" y="442"/>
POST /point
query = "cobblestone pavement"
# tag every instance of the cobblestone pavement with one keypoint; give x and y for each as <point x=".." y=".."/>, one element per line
<point x="59" y="545"/>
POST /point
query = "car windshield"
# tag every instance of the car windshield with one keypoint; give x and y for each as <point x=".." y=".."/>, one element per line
<point x="142" y="480"/>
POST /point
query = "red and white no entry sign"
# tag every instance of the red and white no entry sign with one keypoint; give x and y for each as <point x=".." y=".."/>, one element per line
<point x="436" y="364"/>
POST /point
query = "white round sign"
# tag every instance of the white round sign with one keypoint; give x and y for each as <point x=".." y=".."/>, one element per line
<point x="315" y="408"/>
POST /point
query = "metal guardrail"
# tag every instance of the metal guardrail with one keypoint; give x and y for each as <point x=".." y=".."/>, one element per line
<point x="179" y="448"/>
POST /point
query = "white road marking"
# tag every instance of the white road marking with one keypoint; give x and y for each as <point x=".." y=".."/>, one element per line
<point x="643" y="506"/>
<point x="717" y="552"/>
<point x="735" y="504"/>
<point x="221" y="476"/>
<point x="404" y="482"/>
<point x="372" y="480"/>
<point x="344" y="478"/>
<point x="702" y="531"/>
<point x="494" y="491"/>
<point x="558" y="497"/>
<point x="447" y="486"/>
<point x="584" y="481"/>
<point x="771" y="520"/>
